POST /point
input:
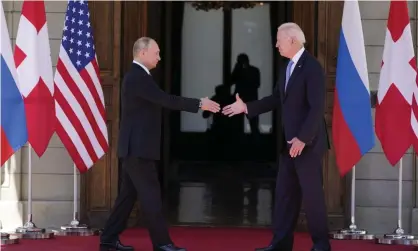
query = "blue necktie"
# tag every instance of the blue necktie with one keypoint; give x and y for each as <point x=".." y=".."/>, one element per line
<point x="288" y="73"/>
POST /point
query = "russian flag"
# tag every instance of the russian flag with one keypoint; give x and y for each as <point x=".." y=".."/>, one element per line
<point x="13" y="118"/>
<point x="352" y="126"/>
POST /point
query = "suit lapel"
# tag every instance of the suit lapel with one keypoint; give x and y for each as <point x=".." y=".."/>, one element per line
<point x="295" y="73"/>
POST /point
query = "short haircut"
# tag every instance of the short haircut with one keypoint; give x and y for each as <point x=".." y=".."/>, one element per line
<point x="293" y="30"/>
<point x="141" y="44"/>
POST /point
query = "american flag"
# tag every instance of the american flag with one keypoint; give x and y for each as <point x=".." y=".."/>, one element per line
<point x="79" y="100"/>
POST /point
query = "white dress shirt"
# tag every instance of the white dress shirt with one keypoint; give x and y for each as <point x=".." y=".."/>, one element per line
<point x="295" y="59"/>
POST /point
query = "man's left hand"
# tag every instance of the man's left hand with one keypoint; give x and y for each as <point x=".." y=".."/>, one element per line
<point x="296" y="148"/>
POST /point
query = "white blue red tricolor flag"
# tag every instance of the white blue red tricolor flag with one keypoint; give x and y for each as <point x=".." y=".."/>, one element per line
<point x="396" y="85"/>
<point x="352" y="126"/>
<point x="13" y="118"/>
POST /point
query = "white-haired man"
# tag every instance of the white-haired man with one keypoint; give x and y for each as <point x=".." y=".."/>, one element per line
<point x="300" y="94"/>
<point x="139" y="148"/>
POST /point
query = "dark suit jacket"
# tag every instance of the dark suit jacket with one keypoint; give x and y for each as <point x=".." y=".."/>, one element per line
<point x="142" y="103"/>
<point x="302" y="104"/>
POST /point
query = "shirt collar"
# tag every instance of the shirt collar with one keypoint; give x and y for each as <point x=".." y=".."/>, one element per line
<point x="143" y="67"/>
<point x="297" y="56"/>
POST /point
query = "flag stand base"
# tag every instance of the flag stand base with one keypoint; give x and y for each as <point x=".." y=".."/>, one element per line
<point x="351" y="234"/>
<point x="6" y="239"/>
<point x="397" y="238"/>
<point x="30" y="231"/>
<point x="76" y="229"/>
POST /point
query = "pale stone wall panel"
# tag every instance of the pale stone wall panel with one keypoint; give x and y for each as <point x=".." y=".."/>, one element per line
<point x="379" y="10"/>
<point x="375" y="166"/>
<point x="54" y="161"/>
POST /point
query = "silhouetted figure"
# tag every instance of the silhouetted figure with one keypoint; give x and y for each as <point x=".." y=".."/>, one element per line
<point x="246" y="78"/>
<point x="224" y="130"/>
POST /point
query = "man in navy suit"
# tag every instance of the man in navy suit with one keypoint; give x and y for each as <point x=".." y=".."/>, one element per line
<point x="300" y="93"/>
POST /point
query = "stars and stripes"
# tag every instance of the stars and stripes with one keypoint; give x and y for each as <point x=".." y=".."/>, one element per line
<point x="80" y="110"/>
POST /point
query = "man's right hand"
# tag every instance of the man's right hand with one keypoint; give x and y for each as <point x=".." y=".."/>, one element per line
<point x="209" y="105"/>
<point x="236" y="108"/>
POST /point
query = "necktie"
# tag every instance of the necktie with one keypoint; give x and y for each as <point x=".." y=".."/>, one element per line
<point x="288" y="73"/>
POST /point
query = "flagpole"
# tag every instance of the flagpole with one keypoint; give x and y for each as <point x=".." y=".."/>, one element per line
<point x="398" y="237"/>
<point x="29" y="225"/>
<point x="29" y="229"/>
<point x="353" y="226"/>
<point x="74" y="228"/>
<point x="352" y="233"/>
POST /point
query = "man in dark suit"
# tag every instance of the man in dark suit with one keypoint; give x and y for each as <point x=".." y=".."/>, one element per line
<point x="300" y="93"/>
<point x="139" y="148"/>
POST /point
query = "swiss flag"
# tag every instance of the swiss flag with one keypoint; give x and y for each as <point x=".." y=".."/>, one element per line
<point x="396" y="85"/>
<point x="34" y="68"/>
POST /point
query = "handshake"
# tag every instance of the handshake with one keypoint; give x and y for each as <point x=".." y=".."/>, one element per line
<point x="230" y="110"/>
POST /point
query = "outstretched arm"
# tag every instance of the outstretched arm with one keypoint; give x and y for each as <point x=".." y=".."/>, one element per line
<point x="253" y="108"/>
<point x="265" y="104"/>
<point x="150" y="91"/>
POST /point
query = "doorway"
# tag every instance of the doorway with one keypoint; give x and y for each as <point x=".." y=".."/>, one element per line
<point x="206" y="155"/>
<point x="204" y="48"/>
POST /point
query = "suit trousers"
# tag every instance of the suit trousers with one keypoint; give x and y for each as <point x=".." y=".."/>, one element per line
<point x="300" y="180"/>
<point x="139" y="181"/>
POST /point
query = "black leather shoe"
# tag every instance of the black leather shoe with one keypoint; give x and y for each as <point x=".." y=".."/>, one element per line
<point x="269" y="248"/>
<point x="114" y="246"/>
<point x="169" y="247"/>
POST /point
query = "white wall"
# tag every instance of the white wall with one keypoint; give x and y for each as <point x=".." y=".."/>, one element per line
<point x="202" y="56"/>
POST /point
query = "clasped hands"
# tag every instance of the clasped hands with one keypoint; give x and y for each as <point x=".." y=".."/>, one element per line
<point x="240" y="107"/>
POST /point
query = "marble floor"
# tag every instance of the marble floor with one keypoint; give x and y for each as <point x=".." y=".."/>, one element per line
<point x="224" y="195"/>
